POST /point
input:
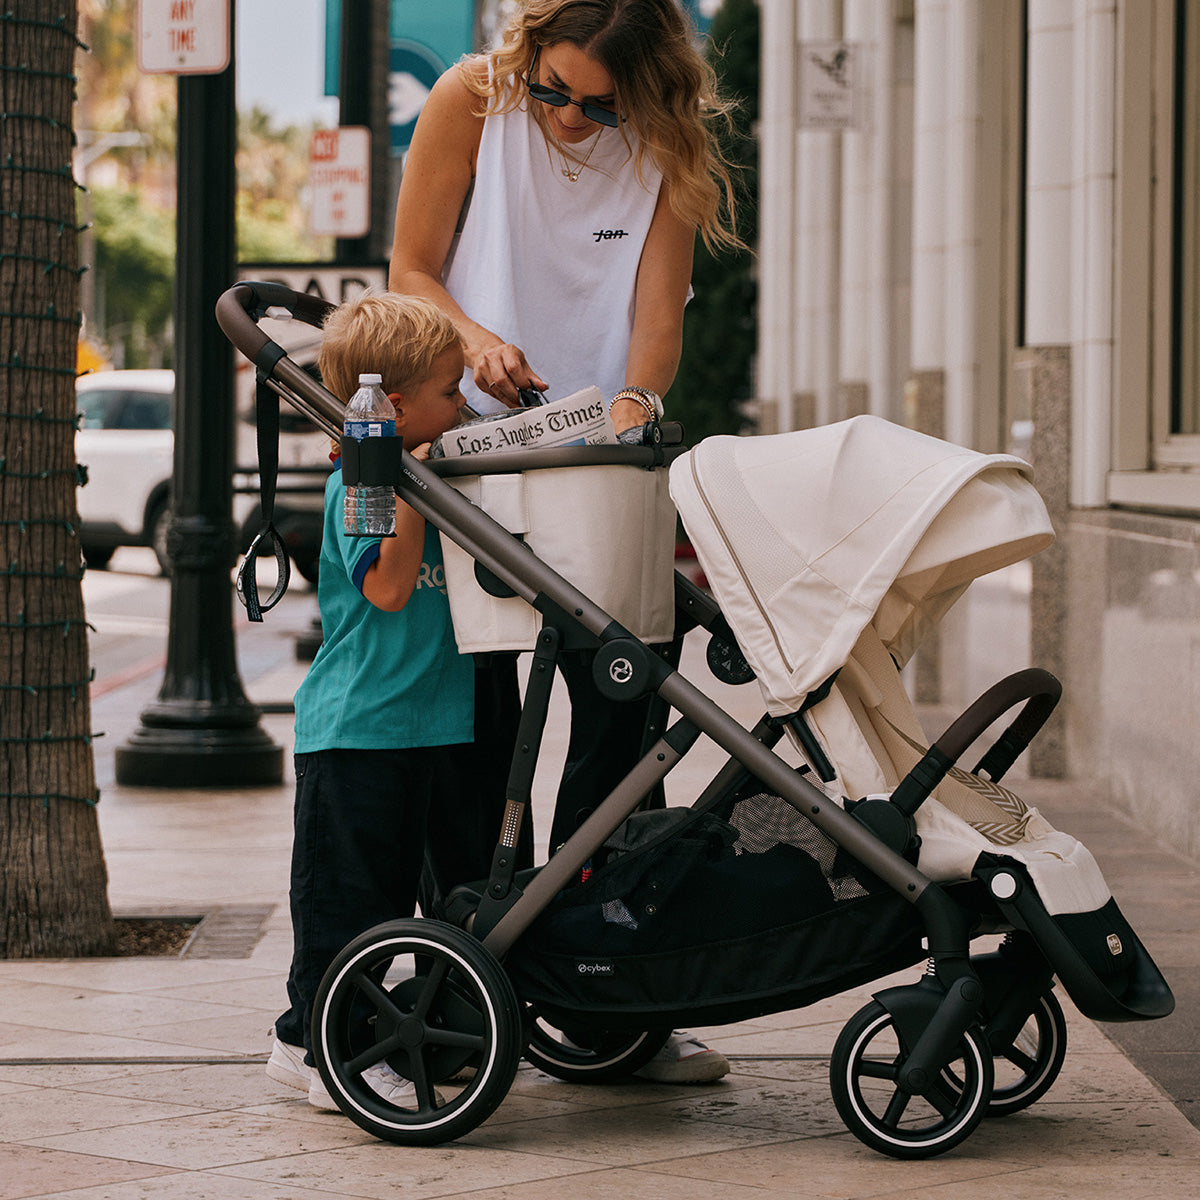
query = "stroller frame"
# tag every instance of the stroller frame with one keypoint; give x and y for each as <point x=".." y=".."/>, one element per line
<point x="947" y="1026"/>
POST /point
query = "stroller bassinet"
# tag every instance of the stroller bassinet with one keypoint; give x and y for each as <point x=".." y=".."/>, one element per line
<point x="829" y="552"/>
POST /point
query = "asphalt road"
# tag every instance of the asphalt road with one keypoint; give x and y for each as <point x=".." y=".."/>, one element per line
<point x="128" y="609"/>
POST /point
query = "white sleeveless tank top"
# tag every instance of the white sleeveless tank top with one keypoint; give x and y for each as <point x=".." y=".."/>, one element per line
<point x="550" y="264"/>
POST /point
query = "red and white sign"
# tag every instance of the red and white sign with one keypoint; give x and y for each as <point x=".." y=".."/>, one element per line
<point x="183" y="37"/>
<point x="339" y="176"/>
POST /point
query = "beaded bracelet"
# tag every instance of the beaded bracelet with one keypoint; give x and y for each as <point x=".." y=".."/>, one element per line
<point x="650" y="401"/>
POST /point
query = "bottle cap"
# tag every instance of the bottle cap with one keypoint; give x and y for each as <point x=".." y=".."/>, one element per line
<point x="369" y="379"/>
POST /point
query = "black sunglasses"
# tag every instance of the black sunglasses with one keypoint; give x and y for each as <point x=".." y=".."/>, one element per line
<point x="547" y="95"/>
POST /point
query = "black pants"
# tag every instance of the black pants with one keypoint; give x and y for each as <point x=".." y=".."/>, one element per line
<point x="356" y="856"/>
<point x="469" y="789"/>
<point x="469" y="785"/>
<point x="605" y="742"/>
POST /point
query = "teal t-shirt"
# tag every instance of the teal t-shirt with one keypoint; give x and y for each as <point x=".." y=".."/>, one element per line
<point x="381" y="680"/>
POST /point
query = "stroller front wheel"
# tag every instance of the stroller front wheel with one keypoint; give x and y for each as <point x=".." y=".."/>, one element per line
<point x="589" y="1056"/>
<point x="864" y="1070"/>
<point x="426" y="1000"/>
<point x="1027" y="1066"/>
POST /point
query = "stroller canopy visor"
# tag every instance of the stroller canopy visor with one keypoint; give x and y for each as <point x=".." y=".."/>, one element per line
<point x="808" y="537"/>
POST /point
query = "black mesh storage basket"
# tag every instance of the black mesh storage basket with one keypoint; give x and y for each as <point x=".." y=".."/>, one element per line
<point x="700" y="918"/>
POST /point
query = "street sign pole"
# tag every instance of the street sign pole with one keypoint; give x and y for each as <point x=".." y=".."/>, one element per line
<point x="362" y="92"/>
<point x="202" y="731"/>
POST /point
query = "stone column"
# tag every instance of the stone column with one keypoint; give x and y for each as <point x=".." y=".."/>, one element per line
<point x="1043" y="380"/>
<point x="852" y="399"/>
<point x="924" y="411"/>
<point x="804" y="410"/>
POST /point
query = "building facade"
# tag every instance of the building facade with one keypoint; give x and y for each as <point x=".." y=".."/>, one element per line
<point x="979" y="218"/>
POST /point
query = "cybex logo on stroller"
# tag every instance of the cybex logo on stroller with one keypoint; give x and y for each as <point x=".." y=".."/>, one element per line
<point x="594" y="968"/>
<point x="620" y="670"/>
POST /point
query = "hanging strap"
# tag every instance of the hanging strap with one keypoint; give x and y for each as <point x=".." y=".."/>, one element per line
<point x="266" y="420"/>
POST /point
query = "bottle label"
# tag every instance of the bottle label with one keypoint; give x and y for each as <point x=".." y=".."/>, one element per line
<point x="361" y="430"/>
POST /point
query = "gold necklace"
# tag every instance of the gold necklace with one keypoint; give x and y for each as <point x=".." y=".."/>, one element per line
<point x="574" y="175"/>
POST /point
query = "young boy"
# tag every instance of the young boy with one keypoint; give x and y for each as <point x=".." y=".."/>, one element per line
<point x="387" y="687"/>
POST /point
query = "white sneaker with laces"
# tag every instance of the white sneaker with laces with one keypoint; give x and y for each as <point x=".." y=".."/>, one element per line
<point x="684" y="1059"/>
<point x="287" y="1066"/>
<point x="394" y="1088"/>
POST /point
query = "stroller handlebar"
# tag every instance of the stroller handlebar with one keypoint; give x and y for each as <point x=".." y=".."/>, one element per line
<point x="1039" y="689"/>
<point x="241" y="307"/>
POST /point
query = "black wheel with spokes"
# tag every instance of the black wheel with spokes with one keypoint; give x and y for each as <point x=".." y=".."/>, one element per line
<point x="1027" y="1065"/>
<point x="864" y="1073"/>
<point x="589" y="1056"/>
<point x="425" y="1000"/>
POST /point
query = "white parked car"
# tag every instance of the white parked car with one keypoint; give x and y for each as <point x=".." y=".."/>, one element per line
<point x="126" y="443"/>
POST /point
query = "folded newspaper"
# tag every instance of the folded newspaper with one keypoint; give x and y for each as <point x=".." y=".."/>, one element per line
<point x="577" y="420"/>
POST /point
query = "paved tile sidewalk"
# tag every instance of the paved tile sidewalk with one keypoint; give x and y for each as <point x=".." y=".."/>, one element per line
<point x="132" y="1078"/>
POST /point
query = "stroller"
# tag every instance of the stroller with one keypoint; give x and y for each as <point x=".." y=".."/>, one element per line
<point x="832" y="849"/>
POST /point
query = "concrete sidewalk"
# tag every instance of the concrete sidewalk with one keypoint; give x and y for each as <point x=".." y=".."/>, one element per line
<point x="124" y="1078"/>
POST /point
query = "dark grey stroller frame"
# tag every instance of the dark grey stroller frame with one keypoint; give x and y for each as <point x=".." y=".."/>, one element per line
<point x="763" y="896"/>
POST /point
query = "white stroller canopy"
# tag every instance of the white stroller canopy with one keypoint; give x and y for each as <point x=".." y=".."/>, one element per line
<point x="808" y="537"/>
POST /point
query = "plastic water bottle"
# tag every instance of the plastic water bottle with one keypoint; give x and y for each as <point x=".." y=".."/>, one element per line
<point x="370" y="511"/>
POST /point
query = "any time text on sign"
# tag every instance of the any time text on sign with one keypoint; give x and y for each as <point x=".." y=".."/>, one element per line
<point x="183" y="37"/>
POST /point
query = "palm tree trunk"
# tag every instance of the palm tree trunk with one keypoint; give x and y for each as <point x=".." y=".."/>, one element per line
<point x="53" y="883"/>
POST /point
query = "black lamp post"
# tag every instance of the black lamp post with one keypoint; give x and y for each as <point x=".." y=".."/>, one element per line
<point x="202" y="731"/>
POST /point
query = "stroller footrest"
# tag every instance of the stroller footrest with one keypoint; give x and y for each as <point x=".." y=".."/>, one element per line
<point x="1097" y="956"/>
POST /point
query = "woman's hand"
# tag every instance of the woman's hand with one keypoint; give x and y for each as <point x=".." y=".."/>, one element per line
<point x="501" y="371"/>
<point x="625" y="414"/>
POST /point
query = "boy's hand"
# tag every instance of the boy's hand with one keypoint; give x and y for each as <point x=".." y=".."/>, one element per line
<point x="421" y="452"/>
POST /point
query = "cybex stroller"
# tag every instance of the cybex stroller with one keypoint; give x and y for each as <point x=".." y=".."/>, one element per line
<point x="829" y="553"/>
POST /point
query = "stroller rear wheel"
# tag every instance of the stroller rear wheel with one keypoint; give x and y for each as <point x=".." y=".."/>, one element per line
<point x="863" y="1074"/>
<point x="589" y="1056"/>
<point x="427" y="1000"/>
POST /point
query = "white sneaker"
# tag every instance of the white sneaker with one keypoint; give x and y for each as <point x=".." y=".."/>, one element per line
<point x="287" y="1066"/>
<point x="684" y="1059"/>
<point x="395" y="1089"/>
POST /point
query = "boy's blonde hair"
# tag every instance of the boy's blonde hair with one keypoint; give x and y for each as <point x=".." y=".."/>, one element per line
<point x="396" y="336"/>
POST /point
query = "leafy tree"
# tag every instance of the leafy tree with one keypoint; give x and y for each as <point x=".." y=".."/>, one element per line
<point x="129" y="202"/>
<point x="720" y="323"/>
<point x="272" y="171"/>
<point x="53" y="883"/>
<point x="135" y="240"/>
<point x="134" y="275"/>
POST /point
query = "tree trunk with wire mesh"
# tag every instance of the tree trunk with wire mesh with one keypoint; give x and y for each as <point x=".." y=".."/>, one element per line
<point x="53" y="883"/>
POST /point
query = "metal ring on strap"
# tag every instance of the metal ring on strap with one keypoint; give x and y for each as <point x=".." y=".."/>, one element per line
<point x="247" y="576"/>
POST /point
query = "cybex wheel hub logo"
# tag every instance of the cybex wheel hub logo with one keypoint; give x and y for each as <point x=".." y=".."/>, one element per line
<point x="620" y="670"/>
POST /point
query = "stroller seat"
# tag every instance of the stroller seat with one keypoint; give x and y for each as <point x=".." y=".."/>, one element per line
<point x="871" y="732"/>
<point x="832" y="551"/>
<point x="971" y="827"/>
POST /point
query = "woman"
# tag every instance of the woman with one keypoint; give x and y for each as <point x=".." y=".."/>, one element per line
<point x="585" y="146"/>
<point x="550" y="202"/>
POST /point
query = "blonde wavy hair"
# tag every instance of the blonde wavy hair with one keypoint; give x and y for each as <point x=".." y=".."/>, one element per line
<point x="394" y="335"/>
<point x="664" y="89"/>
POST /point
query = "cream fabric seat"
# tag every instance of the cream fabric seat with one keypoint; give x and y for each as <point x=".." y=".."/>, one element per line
<point x="870" y="731"/>
<point x="837" y="549"/>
